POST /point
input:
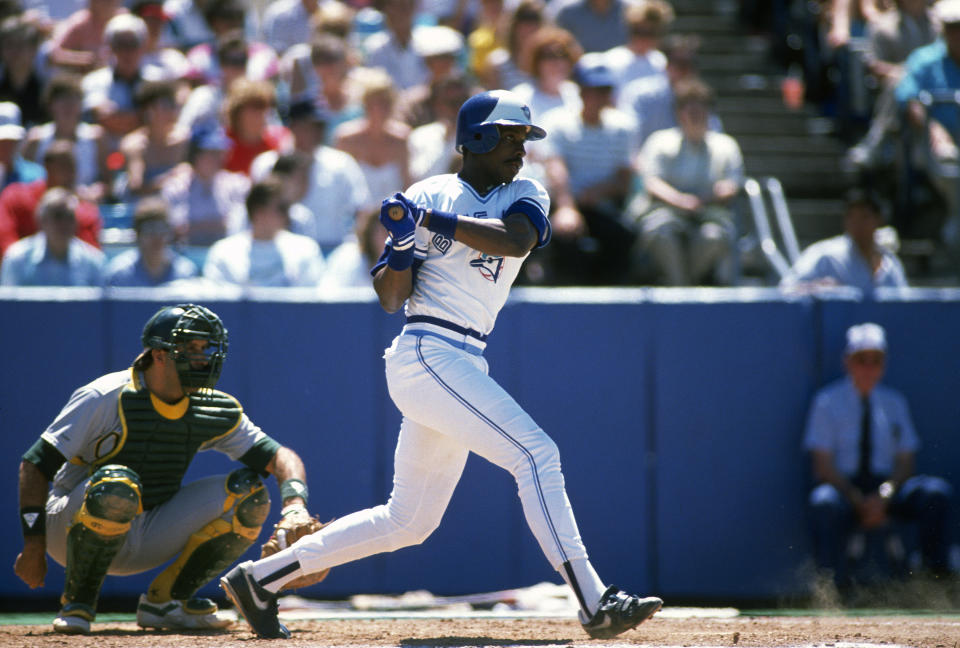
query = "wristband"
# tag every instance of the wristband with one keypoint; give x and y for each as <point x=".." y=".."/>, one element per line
<point x="291" y="508"/>
<point x="294" y="488"/>
<point x="444" y="223"/>
<point x="33" y="521"/>
<point x="400" y="259"/>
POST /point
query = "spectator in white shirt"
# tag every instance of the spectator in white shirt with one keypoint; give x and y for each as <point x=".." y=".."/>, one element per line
<point x="392" y="48"/>
<point x="268" y="254"/>
<point x="853" y="258"/>
<point x="287" y="22"/>
<point x="348" y="266"/>
<point x="640" y="57"/>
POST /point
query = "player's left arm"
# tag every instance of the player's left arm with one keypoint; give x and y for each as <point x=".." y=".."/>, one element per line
<point x="254" y="448"/>
<point x="512" y="236"/>
<point x="287" y="466"/>
<point x="522" y="227"/>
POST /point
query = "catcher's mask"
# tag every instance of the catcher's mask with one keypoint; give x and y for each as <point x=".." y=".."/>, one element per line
<point x="173" y="327"/>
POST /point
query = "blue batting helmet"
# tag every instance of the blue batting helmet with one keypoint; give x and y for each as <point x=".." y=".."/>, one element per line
<point x="479" y="115"/>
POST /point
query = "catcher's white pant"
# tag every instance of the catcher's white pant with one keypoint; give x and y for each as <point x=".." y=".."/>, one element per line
<point x="450" y="407"/>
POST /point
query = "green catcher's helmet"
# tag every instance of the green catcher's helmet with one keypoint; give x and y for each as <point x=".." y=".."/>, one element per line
<point x="173" y="326"/>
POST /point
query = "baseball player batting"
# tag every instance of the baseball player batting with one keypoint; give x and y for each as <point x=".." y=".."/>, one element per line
<point x="456" y="245"/>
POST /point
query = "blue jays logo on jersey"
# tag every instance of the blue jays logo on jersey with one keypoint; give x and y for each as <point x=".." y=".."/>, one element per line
<point x="489" y="266"/>
<point x="442" y="243"/>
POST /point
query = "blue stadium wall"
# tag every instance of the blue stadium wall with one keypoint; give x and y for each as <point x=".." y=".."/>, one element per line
<point x="679" y="415"/>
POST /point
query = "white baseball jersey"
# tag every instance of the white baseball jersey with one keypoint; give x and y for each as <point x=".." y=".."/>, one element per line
<point x="454" y="282"/>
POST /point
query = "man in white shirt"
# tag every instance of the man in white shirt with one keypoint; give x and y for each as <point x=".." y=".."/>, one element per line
<point x="589" y="163"/>
<point x="392" y="49"/>
<point x="287" y="22"/>
<point x="268" y="254"/>
<point x="863" y="446"/>
<point x="850" y="259"/>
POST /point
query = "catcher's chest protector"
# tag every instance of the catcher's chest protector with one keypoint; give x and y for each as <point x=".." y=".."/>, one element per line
<point x="160" y="448"/>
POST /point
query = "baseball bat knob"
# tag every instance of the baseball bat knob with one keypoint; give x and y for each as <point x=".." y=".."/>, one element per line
<point x="395" y="212"/>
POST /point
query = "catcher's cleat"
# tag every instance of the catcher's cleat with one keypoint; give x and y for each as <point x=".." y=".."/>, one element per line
<point x="619" y="612"/>
<point x="257" y="604"/>
<point x="74" y="618"/>
<point x="194" y="614"/>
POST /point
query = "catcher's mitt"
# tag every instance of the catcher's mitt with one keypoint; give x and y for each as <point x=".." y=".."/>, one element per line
<point x="291" y="527"/>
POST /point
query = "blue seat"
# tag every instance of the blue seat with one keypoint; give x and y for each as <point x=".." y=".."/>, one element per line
<point x="117" y="215"/>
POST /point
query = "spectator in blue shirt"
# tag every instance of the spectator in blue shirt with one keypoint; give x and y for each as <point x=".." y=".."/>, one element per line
<point x="862" y="444"/>
<point x="153" y="262"/>
<point x="13" y="166"/>
<point x="54" y="256"/>
<point x="850" y="259"/>
<point x="935" y="70"/>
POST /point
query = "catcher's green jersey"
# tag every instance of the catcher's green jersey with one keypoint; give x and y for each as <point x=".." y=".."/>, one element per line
<point x="158" y="440"/>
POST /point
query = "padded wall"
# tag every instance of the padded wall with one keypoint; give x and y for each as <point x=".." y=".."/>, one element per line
<point x="678" y="414"/>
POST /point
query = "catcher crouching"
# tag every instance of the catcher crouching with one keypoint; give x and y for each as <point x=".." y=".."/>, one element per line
<point x="116" y="456"/>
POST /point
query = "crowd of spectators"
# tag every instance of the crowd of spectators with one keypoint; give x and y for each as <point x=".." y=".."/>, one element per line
<point x="885" y="74"/>
<point x="191" y="104"/>
<point x="160" y="124"/>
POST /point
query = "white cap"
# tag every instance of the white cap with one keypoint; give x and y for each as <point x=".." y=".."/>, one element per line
<point x="947" y="11"/>
<point x="125" y="23"/>
<point x="866" y="337"/>
<point x="11" y="127"/>
<point x="437" y="40"/>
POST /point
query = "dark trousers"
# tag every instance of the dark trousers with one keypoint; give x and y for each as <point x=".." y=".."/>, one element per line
<point x="922" y="499"/>
<point x="602" y="257"/>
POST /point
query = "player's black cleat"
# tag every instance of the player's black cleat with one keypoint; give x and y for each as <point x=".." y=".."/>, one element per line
<point x="257" y="604"/>
<point x="619" y="612"/>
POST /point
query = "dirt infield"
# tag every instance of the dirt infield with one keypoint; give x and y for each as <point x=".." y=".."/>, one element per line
<point x="819" y="631"/>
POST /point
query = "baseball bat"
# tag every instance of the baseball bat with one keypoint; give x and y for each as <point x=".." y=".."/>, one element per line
<point x="395" y="212"/>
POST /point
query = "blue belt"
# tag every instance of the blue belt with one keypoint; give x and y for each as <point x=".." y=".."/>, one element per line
<point x="436" y="321"/>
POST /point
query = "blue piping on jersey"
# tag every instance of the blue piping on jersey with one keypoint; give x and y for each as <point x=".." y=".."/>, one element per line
<point x="482" y="199"/>
<point x="483" y="417"/>
<point x="534" y="212"/>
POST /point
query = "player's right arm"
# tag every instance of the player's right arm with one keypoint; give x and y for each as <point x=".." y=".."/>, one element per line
<point x="393" y="287"/>
<point x="91" y="408"/>
<point x="393" y="281"/>
<point x="31" y="563"/>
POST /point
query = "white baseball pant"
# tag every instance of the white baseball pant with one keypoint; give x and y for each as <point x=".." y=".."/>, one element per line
<point x="450" y="407"/>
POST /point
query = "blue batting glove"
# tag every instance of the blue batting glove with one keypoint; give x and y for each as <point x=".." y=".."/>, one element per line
<point x="396" y="217"/>
<point x="415" y="211"/>
<point x="444" y="223"/>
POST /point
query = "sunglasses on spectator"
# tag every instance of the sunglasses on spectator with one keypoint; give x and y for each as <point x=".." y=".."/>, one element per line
<point x="553" y="54"/>
<point x="61" y="216"/>
<point x="645" y="32"/>
<point x="154" y="227"/>
<point x="234" y="60"/>
<point x="125" y="44"/>
<point x="875" y="359"/>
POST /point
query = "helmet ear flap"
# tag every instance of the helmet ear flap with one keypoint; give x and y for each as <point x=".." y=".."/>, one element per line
<point x="483" y="138"/>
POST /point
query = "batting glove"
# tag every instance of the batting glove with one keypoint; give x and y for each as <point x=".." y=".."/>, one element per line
<point x="396" y="217"/>
<point x="444" y="223"/>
